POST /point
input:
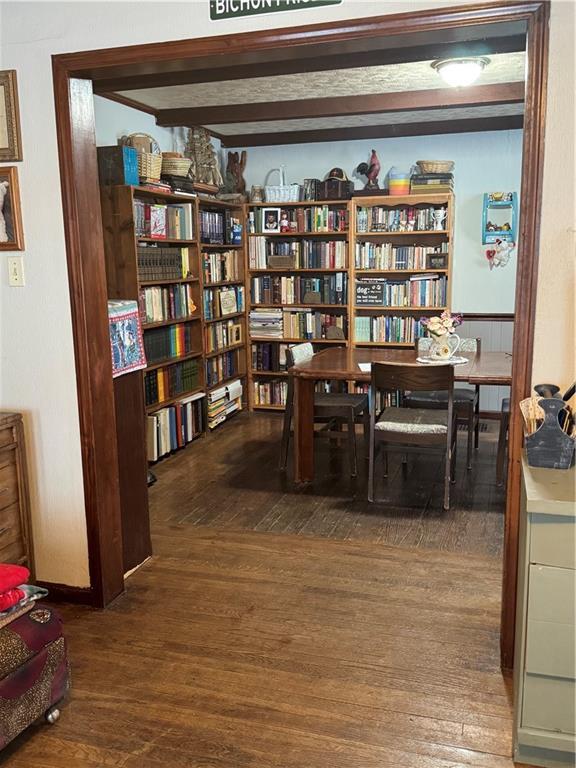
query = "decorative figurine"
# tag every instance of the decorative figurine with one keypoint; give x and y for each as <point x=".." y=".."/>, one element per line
<point x="204" y="166"/>
<point x="284" y="222"/>
<point x="499" y="255"/>
<point x="235" y="183"/>
<point x="411" y="222"/>
<point x="439" y="216"/>
<point x="371" y="171"/>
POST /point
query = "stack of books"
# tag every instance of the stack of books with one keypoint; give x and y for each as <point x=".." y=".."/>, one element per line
<point x="432" y="183"/>
<point x="223" y="402"/>
<point x="266" y="323"/>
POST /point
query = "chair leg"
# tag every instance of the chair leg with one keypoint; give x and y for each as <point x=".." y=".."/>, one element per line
<point x="285" y="437"/>
<point x="448" y="464"/>
<point x="352" y="445"/>
<point x="470" y="430"/>
<point x="453" y="463"/>
<point x="385" y="460"/>
<point x="371" y="452"/>
<point x="477" y="418"/>
<point x="366" y="428"/>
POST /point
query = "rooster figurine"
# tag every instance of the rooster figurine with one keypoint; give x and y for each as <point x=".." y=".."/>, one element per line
<point x="370" y="170"/>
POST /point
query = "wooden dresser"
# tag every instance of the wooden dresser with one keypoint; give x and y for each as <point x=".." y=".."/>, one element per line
<point x="15" y="536"/>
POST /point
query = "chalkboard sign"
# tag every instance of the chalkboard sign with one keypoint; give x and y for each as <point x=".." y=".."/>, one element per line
<point x="370" y="293"/>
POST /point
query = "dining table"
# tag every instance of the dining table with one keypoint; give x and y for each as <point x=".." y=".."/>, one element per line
<point x="343" y="364"/>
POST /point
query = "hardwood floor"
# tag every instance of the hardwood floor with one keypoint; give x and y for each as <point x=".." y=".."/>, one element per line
<point x="263" y="648"/>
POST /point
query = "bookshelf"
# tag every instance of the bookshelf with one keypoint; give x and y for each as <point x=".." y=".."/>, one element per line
<point x="400" y="266"/>
<point x="161" y="273"/>
<point x="297" y="289"/>
<point x="223" y="277"/>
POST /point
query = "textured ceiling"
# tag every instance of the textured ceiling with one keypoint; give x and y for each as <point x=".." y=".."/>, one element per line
<point x="414" y="76"/>
<point x="355" y="121"/>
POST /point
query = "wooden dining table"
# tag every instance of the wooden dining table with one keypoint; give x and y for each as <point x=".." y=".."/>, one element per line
<point x="342" y="364"/>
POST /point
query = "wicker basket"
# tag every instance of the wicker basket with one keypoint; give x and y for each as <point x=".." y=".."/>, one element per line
<point x="175" y="165"/>
<point x="149" y="163"/>
<point x="435" y="166"/>
<point x="288" y="193"/>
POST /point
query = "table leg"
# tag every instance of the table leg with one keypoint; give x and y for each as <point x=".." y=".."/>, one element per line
<point x="303" y="430"/>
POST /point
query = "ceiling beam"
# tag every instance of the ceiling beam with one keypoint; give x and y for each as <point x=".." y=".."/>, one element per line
<point x="469" y="125"/>
<point x="211" y="73"/>
<point x="398" y="101"/>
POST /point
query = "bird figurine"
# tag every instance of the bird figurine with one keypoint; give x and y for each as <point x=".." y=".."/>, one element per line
<point x="370" y="170"/>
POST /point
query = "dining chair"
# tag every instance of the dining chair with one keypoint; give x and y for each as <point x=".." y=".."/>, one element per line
<point x="409" y="429"/>
<point x="466" y="399"/>
<point x="502" y="440"/>
<point x="332" y="409"/>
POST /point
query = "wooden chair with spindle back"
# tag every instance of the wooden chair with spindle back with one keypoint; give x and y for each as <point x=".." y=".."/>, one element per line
<point x="333" y="409"/>
<point x="408" y="429"/>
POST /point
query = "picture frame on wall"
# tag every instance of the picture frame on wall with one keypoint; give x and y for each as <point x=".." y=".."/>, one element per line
<point x="11" y="233"/>
<point x="10" y="138"/>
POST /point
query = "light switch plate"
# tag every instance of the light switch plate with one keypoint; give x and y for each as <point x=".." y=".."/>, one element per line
<point x="16" y="271"/>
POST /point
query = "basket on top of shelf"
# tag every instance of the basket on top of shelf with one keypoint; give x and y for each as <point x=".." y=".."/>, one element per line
<point x="149" y="155"/>
<point x="435" y="166"/>
<point x="173" y="164"/>
<point x="281" y="193"/>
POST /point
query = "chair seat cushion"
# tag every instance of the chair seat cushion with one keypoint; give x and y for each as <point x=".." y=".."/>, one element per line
<point x="416" y="421"/>
<point x="461" y="395"/>
<point x="340" y="400"/>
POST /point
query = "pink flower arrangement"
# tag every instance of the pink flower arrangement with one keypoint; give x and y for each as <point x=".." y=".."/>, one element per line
<point x="443" y="325"/>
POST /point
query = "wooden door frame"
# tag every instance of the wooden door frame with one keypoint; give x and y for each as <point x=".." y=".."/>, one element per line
<point x="84" y="248"/>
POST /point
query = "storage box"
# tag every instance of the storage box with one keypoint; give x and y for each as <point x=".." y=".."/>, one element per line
<point x="335" y="189"/>
<point x="118" y="165"/>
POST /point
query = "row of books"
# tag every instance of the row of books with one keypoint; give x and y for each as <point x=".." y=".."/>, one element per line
<point x="387" y="328"/>
<point x="219" y="302"/>
<point x="432" y="183"/>
<point x="221" y="266"/>
<point x="418" y="291"/>
<point x="222" y="367"/>
<point x="173" y="341"/>
<point x="162" y="262"/>
<point x="273" y="289"/>
<point x="166" y="383"/>
<point x="268" y="357"/>
<point x="270" y="392"/>
<point x="163" y="221"/>
<point x="317" y="218"/>
<point x="392" y="399"/>
<point x="388" y="256"/>
<point x="223" y="402"/>
<point x="220" y="228"/>
<point x="378" y="218"/>
<point x="173" y="427"/>
<point x="221" y="335"/>
<point x="309" y="324"/>
<point x="305" y="254"/>
<point x="168" y="302"/>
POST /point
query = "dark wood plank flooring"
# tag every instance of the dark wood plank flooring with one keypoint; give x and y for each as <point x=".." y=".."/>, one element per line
<point x="230" y="481"/>
<point x="275" y="628"/>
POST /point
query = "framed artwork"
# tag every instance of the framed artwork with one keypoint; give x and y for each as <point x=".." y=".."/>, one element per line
<point x="10" y="139"/>
<point x="11" y="235"/>
<point x="271" y="219"/>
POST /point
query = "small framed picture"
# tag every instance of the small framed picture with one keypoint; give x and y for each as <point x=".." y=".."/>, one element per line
<point x="271" y="219"/>
<point x="10" y="140"/>
<point x="11" y="236"/>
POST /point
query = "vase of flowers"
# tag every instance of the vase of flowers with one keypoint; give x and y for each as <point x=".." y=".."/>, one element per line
<point x="442" y="331"/>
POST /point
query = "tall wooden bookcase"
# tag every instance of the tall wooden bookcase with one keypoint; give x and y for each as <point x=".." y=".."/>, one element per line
<point x="319" y="244"/>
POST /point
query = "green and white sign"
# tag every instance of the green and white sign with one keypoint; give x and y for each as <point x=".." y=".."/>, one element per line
<point x="231" y="9"/>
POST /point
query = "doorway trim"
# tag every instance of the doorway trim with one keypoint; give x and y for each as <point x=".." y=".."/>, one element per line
<point x="73" y="74"/>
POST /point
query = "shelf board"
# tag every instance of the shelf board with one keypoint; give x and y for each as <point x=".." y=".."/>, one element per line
<point x="224" y="382"/>
<point x="174" y="321"/>
<point x="298" y="341"/>
<point x="224" y="282"/>
<point x="300" y="306"/>
<point x="172" y="281"/>
<point x="270" y="270"/>
<point x="227" y="246"/>
<point x="384" y="344"/>
<point x="270" y="373"/>
<point x="224" y="317"/>
<point x="217" y="352"/>
<point x="327" y="233"/>
<point x="398" y="271"/>
<point x="146" y="192"/>
<point x="399" y="309"/>
<point x="300" y="204"/>
<point x="269" y="407"/>
<point x="170" y="360"/>
<point x="209" y="202"/>
<point x="172" y="400"/>
<point x="391" y="201"/>
<point x="360" y="235"/>
<point x="168" y="240"/>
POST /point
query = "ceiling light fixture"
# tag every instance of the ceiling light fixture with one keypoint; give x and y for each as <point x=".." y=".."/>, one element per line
<point x="460" y="72"/>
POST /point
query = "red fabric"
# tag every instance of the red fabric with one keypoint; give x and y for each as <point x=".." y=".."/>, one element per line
<point x="10" y="598"/>
<point x="12" y="576"/>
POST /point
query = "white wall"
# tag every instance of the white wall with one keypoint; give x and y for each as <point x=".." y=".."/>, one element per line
<point x="485" y="162"/>
<point x="36" y="337"/>
<point x="114" y="120"/>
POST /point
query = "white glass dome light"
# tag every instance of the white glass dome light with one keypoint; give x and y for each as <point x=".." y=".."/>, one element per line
<point x="460" y="72"/>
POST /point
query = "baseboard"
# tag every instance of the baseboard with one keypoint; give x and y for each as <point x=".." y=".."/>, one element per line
<point x="63" y="593"/>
